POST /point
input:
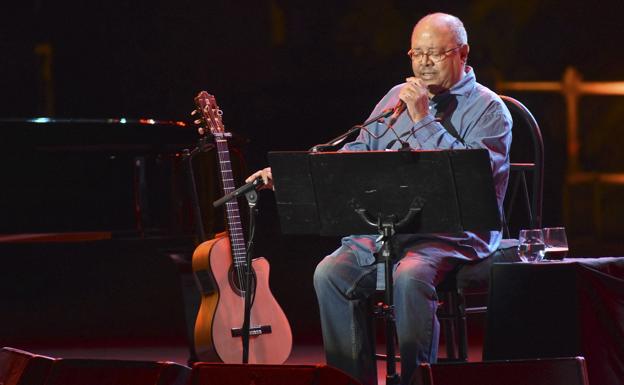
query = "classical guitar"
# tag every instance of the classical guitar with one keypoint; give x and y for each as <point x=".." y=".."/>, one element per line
<point x="220" y="266"/>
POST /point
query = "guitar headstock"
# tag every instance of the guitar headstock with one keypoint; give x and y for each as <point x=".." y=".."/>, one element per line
<point x="210" y="119"/>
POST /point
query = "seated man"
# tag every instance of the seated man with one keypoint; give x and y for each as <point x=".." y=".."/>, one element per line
<point x="445" y="109"/>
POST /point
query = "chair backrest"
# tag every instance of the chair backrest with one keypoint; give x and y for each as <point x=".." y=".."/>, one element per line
<point x="555" y="371"/>
<point x="527" y="159"/>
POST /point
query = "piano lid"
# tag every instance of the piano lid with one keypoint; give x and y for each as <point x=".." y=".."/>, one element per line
<point x="97" y="134"/>
<point x="74" y="175"/>
<point x="44" y="120"/>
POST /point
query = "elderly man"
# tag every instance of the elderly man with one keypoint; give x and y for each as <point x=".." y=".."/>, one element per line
<point x="445" y="109"/>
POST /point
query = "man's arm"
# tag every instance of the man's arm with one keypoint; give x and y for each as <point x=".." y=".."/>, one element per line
<point x="491" y="131"/>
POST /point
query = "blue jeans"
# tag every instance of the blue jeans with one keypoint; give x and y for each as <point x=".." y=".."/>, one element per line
<point x="343" y="288"/>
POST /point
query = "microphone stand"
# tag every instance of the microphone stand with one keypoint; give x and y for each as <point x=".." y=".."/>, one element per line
<point x="249" y="189"/>
<point x="239" y="191"/>
<point x="252" y="200"/>
<point x="339" y="139"/>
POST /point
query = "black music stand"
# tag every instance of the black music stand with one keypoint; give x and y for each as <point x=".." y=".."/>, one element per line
<point x="390" y="192"/>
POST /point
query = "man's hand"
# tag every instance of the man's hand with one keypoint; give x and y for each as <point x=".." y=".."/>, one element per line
<point x="266" y="176"/>
<point x="416" y="97"/>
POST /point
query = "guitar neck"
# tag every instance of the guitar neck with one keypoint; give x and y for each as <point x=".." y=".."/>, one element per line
<point x="235" y="228"/>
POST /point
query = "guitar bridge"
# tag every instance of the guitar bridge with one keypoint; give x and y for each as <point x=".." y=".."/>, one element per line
<point x="253" y="331"/>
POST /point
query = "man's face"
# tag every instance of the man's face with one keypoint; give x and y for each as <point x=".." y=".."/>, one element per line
<point x="448" y="69"/>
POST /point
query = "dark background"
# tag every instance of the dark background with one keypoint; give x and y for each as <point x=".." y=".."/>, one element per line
<point x="290" y="74"/>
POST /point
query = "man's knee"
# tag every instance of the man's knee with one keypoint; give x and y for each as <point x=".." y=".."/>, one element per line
<point x="322" y="274"/>
<point x="416" y="282"/>
<point x="428" y="269"/>
<point x="341" y="272"/>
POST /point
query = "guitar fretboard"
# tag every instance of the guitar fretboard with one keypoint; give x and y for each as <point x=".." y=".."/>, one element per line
<point x="235" y="228"/>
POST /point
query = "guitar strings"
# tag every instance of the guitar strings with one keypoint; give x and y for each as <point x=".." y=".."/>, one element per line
<point x="235" y="229"/>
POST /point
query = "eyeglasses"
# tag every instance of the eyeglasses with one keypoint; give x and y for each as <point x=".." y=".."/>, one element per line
<point x="435" y="57"/>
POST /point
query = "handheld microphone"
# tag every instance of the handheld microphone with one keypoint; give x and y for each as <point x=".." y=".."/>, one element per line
<point x="398" y="110"/>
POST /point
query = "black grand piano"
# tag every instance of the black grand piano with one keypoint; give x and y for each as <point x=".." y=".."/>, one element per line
<point x="115" y="176"/>
<point x="96" y="223"/>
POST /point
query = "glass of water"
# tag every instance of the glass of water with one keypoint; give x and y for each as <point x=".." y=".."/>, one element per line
<point x="531" y="245"/>
<point x="556" y="243"/>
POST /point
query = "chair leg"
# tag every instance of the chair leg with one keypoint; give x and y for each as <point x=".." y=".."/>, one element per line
<point x="462" y="332"/>
<point x="449" y="326"/>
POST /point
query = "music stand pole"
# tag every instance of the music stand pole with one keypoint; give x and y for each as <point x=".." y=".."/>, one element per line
<point x="386" y="310"/>
<point x="386" y="228"/>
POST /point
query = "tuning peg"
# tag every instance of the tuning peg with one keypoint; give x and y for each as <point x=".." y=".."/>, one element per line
<point x="193" y="113"/>
<point x="201" y="130"/>
<point x="197" y="121"/>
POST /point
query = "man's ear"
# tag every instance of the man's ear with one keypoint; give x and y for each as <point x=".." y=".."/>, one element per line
<point x="463" y="53"/>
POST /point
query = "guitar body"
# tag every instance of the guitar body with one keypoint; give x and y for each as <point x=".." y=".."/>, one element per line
<point x="222" y="311"/>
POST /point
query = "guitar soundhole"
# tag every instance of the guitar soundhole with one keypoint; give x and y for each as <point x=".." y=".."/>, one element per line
<point x="235" y="276"/>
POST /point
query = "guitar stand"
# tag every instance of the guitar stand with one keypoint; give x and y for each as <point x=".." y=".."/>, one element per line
<point x="187" y="158"/>
<point x="387" y="228"/>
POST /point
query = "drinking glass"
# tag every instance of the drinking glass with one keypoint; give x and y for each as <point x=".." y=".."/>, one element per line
<point x="556" y="243"/>
<point x="531" y="246"/>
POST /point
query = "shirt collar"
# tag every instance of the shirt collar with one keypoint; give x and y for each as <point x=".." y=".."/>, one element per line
<point x="466" y="84"/>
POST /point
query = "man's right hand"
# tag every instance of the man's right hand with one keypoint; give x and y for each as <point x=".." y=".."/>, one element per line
<point x="266" y="176"/>
<point x="415" y="95"/>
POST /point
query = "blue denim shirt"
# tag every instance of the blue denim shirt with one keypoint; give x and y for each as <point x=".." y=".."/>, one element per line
<point x="481" y="120"/>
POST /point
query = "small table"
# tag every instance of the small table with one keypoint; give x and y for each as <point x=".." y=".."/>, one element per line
<point x="573" y="307"/>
